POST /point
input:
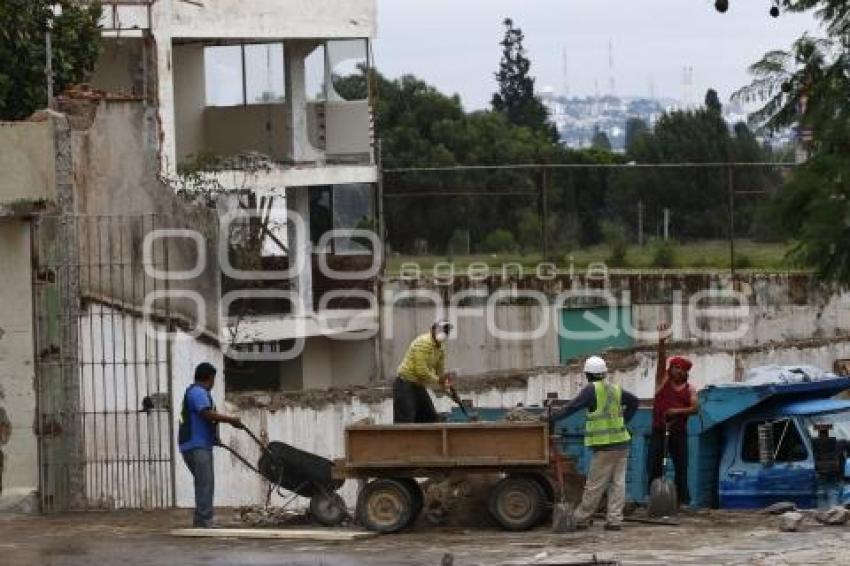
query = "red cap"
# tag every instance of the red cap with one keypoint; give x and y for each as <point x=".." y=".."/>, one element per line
<point x="683" y="364"/>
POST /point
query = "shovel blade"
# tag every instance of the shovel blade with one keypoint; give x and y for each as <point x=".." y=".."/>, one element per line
<point x="563" y="519"/>
<point x="663" y="501"/>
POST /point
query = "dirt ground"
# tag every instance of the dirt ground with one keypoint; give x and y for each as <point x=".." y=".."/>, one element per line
<point x="142" y="538"/>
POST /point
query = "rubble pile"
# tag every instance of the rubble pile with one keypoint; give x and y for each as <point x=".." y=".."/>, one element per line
<point x="267" y="516"/>
<point x="520" y="415"/>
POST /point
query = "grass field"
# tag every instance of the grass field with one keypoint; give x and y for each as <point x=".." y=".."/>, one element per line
<point x="710" y="255"/>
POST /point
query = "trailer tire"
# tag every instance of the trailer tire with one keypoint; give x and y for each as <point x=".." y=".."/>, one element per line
<point x="417" y="498"/>
<point x="518" y="503"/>
<point x="328" y="509"/>
<point x="385" y="505"/>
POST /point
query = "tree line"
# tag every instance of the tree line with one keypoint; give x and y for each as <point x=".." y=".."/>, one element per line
<point x="502" y="210"/>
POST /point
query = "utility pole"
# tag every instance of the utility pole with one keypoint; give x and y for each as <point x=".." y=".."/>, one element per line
<point x="640" y="223"/>
<point x="544" y="213"/>
<point x="732" y="225"/>
<point x="666" y="224"/>
<point x="55" y="11"/>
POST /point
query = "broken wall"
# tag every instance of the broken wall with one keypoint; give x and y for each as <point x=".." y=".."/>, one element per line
<point x="18" y="443"/>
<point x="779" y="309"/>
<point x="28" y="164"/>
<point x="116" y="175"/>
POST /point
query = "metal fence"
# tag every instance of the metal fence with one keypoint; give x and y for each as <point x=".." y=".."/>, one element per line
<point x="104" y="419"/>
<point x="554" y="212"/>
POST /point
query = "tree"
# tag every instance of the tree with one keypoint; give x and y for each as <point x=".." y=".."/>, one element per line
<point x="600" y="141"/>
<point x="700" y="194"/>
<point x="635" y="127"/>
<point x="712" y="102"/>
<point x="515" y="98"/>
<point x="806" y="88"/>
<point x="75" y="46"/>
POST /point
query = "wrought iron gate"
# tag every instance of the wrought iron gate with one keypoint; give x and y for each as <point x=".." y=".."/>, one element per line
<point x="103" y="373"/>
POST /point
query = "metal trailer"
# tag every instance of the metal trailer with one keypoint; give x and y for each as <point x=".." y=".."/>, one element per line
<point x="392" y="458"/>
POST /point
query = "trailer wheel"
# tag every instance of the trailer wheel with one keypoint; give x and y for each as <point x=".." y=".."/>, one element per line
<point x="328" y="508"/>
<point x="385" y="506"/>
<point x="517" y="503"/>
<point x="417" y="498"/>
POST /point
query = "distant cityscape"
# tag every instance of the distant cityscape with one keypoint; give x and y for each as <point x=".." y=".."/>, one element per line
<point x="579" y="118"/>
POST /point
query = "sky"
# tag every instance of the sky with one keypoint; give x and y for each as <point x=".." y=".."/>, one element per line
<point x="454" y="44"/>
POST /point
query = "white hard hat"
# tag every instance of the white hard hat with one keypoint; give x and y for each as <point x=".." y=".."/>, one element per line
<point x="595" y="365"/>
<point x="442" y="324"/>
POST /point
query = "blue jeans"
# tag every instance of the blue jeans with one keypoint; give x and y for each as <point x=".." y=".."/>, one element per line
<point x="200" y="463"/>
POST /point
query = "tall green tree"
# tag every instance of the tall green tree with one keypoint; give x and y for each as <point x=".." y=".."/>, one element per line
<point x="600" y="141"/>
<point x="712" y="101"/>
<point x="75" y="46"/>
<point x="515" y="98"/>
<point x="806" y="88"/>
<point x="635" y="127"/>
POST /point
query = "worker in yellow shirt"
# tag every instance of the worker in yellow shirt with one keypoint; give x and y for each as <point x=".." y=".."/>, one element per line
<point x="422" y="368"/>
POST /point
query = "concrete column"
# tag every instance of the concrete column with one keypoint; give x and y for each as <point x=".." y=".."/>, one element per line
<point x="300" y="249"/>
<point x="189" y="99"/>
<point x="298" y="141"/>
<point x="161" y="12"/>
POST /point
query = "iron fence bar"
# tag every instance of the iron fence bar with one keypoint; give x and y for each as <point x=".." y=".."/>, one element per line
<point x="139" y="467"/>
<point x="158" y="422"/>
<point x="170" y="384"/>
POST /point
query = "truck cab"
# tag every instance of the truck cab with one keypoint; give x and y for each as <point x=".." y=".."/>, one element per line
<point x="794" y="452"/>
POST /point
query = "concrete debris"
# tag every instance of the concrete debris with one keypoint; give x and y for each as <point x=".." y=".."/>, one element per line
<point x="365" y="421"/>
<point x="262" y="516"/>
<point x="836" y="515"/>
<point x="779" y="508"/>
<point x="520" y="415"/>
<point x="790" y="521"/>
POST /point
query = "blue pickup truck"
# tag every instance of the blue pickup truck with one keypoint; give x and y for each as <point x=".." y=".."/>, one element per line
<point x="749" y="446"/>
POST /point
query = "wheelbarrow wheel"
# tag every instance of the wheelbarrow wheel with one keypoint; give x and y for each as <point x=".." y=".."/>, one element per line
<point x="517" y="503"/>
<point x="385" y="505"/>
<point x="328" y="508"/>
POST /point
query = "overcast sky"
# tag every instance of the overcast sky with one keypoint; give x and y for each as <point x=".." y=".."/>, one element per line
<point x="453" y="44"/>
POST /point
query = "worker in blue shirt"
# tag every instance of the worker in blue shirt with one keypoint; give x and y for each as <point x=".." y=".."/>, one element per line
<point x="198" y="434"/>
<point x="609" y="408"/>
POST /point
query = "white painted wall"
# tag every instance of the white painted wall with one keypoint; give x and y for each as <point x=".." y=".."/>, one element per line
<point x="273" y="19"/>
<point x="128" y="440"/>
<point x="17" y="373"/>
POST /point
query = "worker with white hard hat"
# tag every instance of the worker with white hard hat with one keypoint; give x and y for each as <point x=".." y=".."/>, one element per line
<point x="609" y="408"/>
<point x="422" y="368"/>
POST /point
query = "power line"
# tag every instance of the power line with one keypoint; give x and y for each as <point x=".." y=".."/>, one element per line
<point x="779" y="165"/>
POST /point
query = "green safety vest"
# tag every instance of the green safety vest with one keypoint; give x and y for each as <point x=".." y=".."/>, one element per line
<point x="605" y="425"/>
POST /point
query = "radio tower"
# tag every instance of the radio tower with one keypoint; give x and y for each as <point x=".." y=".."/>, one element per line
<point x="611" y="85"/>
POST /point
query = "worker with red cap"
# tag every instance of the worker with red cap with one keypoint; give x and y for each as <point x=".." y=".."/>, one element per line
<point x="675" y="400"/>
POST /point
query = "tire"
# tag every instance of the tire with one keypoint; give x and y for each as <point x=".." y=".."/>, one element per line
<point x="417" y="498"/>
<point x="518" y="503"/>
<point x="328" y="509"/>
<point x="548" y="491"/>
<point x="385" y="506"/>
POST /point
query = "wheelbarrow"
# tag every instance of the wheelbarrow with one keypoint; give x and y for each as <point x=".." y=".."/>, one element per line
<point x="301" y="473"/>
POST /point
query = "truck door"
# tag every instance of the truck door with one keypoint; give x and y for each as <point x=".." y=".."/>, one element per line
<point x="747" y="483"/>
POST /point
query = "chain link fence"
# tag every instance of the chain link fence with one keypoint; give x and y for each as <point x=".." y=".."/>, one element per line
<point x="629" y="216"/>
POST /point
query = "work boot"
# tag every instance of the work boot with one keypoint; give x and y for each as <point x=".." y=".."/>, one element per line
<point x="613" y="527"/>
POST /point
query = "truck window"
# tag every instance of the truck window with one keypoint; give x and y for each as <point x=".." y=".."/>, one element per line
<point x="791" y="448"/>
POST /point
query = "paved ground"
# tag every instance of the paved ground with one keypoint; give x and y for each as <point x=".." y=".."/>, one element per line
<point x="140" y="538"/>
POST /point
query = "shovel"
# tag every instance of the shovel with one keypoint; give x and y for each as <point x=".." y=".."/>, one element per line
<point x="663" y="501"/>
<point x="563" y="513"/>
<point x="453" y="395"/>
